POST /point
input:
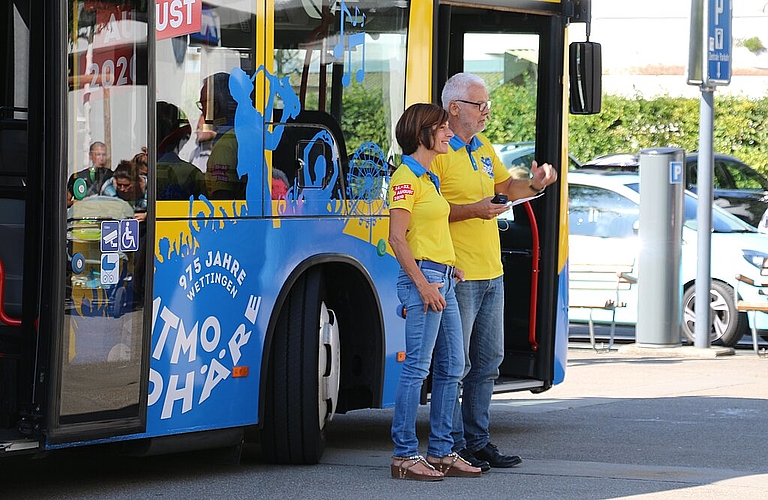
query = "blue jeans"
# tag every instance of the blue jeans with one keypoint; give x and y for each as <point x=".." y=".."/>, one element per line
<point x="433" y="333"/>
<point x="481" y="303"/>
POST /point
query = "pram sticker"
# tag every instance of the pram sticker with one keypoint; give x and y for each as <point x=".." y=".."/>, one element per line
<point x="110" y="268"/>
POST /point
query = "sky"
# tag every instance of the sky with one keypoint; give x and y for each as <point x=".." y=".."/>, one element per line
<point x="645" y="46"/>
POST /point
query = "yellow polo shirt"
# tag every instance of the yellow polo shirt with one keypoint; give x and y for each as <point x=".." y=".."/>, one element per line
<point x="468" y="173"/>
<point x="427" y="235"/>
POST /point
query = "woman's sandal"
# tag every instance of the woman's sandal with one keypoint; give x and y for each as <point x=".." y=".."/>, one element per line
<point x="405" y="469"/>
<point x="453" y="465"/>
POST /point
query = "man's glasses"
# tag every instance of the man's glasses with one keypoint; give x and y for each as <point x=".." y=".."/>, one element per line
<point x="482" y="106"/>
<point x="199" y="105"/>
<point x="124" y="186"/>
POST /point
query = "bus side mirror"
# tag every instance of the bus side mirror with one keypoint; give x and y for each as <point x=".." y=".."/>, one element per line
<point x="586" y="70"/>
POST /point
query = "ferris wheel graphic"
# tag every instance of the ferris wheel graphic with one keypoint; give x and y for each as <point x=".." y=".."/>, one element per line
<point x="367" y="183"/>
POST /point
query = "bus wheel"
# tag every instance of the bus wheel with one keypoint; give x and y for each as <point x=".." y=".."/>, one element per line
<point x="303" y="385"/>
<point x="727" y="327"/>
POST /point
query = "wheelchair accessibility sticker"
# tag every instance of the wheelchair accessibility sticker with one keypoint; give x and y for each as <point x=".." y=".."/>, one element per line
<point x="129" y="235"/>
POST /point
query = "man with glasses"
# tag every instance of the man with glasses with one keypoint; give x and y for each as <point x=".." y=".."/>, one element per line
<point x="89" y="181"/>
<point x="470" y="175"/>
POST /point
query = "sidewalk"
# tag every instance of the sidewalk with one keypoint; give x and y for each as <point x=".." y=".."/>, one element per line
<point x="645" y="424"/>
<point x="648" y="423"/>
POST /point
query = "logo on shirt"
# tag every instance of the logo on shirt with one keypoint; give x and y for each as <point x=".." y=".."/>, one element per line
<point x="487" y="166"/>
<point x="401" y="191"/>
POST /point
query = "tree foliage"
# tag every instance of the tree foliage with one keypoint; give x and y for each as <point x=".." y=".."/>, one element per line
<point x="630" y="124"/>
<point x="364" y="118"/>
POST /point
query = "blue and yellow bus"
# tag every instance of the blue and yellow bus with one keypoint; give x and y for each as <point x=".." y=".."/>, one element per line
<point x="194" y="216"/>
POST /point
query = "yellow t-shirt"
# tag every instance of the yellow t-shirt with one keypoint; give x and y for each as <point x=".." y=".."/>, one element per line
<point x="467" y="178"/>
<point x="428" y="236"/>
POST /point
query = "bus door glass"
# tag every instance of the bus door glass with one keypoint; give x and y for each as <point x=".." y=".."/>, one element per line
<point x="106" y="122"/>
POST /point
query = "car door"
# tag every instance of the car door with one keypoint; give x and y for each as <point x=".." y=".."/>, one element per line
<point x="602" y="225"/>
<point x="746" y="192"/>
<point x="737" y="188"/>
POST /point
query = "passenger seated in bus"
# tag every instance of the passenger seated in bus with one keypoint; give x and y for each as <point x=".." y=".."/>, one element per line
<point x="90" y="180"/>
<point x="176" y="179"/>
<point x="218" y="107"/>
<point x="279" y="184"/>
<point x="139" y="160"/>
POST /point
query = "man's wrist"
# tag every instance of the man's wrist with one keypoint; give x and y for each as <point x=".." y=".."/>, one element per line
<point x="534" y="188"/>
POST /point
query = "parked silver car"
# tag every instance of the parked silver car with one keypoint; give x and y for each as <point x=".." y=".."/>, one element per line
<point x="604" y="211"/>
<point x="738" y="188"/>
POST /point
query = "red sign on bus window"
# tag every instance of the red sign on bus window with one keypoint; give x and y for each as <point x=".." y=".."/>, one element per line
<point x="178" y="17"/>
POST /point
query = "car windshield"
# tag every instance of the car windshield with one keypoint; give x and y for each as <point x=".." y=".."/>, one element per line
<point x="722" y="221"/>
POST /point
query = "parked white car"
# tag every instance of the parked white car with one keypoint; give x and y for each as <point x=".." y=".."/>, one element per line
<point x="603" y="216"/>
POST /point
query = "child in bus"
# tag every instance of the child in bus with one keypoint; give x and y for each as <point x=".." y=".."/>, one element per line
<point x="421" y="241"/>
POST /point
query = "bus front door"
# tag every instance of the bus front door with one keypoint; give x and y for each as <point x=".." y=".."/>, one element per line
<point x="100" y="353"/>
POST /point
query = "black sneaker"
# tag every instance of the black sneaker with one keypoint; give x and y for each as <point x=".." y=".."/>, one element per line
<point x="491" y="454"/>
<point x="473" y="460"/>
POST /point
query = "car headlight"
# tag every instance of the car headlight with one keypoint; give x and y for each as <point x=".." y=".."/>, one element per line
<point x="757" y="259"/>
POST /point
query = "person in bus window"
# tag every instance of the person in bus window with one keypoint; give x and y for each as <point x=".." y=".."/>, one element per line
<point x="175" y="178"/>
<point x="94" y="176"/>
<point x="130" y="187"/>
<point x="470" y="175"/>
<point x="421" y="241"/>
<point x="218" y="107"/>
<point x="140" y="162"/>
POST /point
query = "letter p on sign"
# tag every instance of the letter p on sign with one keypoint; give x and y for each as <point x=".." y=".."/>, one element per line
<point x="675" y="172"/>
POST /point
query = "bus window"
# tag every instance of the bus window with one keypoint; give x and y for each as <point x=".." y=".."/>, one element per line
<point x="352" y="86"/>
<point x="102" y="336"/>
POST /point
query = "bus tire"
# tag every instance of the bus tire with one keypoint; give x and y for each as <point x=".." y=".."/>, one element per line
<point x="303" y="385"/>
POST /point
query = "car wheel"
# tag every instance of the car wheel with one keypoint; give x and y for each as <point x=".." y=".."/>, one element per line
<point x="727" y="326"/>
<point x="303" y="379"/>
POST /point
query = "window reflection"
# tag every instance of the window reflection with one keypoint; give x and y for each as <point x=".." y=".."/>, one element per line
<point x="106" y="207"/>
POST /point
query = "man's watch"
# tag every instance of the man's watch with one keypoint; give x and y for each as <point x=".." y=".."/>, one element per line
<point x="537" y="191"/>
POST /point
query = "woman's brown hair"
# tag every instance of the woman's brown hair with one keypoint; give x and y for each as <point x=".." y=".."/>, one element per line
<point x="418" y="125"/>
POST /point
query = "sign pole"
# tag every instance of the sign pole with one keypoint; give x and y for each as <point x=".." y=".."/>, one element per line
<point x="709" y="65"/>
<point x="704" y="219"/>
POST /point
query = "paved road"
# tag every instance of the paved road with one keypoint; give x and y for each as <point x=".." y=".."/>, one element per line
<point x="627" y="424"/>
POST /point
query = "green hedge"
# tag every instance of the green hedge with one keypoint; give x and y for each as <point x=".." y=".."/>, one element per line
<point x="629" y="124"/>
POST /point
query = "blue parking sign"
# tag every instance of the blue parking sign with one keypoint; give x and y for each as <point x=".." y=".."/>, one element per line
<point x="675" y="172"/>
<point x="129" y="235"/>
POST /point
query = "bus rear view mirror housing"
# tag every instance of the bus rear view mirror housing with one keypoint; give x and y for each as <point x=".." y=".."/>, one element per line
<point x="585" y="68"/>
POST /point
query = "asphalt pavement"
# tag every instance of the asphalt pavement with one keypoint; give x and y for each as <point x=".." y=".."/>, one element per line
<point x="679" y="423"/>
<point x="628" y="423"/>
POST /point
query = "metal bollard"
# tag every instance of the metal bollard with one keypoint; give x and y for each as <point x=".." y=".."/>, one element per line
<point x="659" y="289"/>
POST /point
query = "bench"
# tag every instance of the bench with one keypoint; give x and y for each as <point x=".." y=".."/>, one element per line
<point x="752" y="307"/>
<point x="598" y="287"/>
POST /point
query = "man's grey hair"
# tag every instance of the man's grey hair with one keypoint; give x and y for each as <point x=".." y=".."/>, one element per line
<point x="457" y="86"/>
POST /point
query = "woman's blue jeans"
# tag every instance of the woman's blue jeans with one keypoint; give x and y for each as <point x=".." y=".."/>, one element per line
<point x="434" y="337"/>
